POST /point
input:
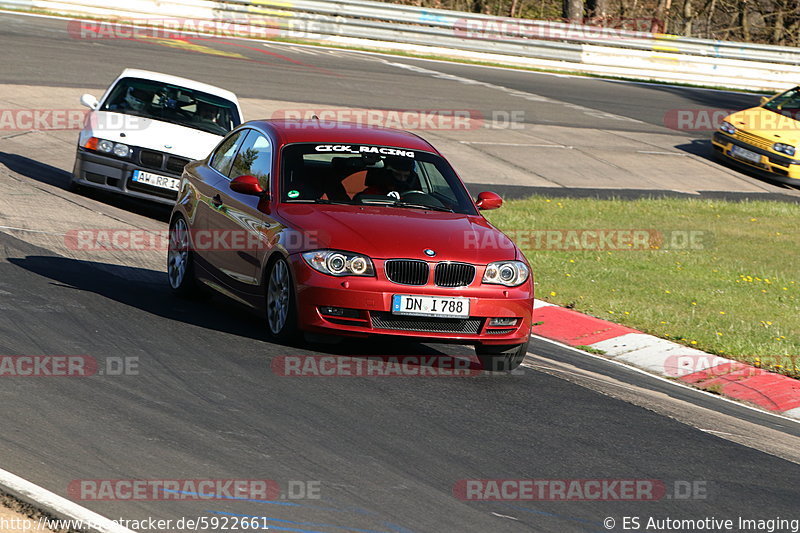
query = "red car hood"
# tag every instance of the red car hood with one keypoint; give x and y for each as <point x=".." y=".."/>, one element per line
<point x="392" y="232"/>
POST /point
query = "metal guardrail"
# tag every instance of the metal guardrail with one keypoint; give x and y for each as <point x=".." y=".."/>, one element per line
<point x="548" y="44"/>
<point x="494" y="28"/>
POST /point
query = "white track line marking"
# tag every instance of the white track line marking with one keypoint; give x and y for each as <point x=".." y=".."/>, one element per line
<point x="56" y="505"/>
<point x="12" y="228"/>
<point x="512" y="92"/>
<point x="505" y="516"/>
<point x="720" y="433"/>
<point x="299" y="50"/>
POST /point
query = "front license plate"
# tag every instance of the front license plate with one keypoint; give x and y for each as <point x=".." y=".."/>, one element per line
<point x="155" y="180"/>
<point x="744" y="153"/>
<point x="441" y="306"/>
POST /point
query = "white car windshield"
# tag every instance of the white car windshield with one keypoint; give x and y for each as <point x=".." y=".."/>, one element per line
<point x="172" y="103"/>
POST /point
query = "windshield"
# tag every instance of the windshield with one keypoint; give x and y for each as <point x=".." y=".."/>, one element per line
<point x="371" y="175"/>
<point x="787" y="103"/>
<point x="171" y="103"/>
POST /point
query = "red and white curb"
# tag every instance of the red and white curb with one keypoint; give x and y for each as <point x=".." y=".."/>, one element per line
<point x="770" y="391"/>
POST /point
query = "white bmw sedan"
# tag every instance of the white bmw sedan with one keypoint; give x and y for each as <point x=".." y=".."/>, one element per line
<point x="146" y="127"/>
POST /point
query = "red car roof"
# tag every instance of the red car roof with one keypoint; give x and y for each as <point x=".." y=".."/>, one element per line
<point x="320" y="131"/>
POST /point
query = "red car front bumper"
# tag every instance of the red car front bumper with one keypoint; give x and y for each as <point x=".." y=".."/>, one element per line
<point x="368" y="304"/>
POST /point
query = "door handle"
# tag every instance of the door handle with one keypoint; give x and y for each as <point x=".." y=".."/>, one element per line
<point x="217" y="201"/>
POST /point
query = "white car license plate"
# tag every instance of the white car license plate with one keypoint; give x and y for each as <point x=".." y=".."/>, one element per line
<point x="155" y="180"/>
<point x="744" y="153"/>
<point x="440" y="306"/>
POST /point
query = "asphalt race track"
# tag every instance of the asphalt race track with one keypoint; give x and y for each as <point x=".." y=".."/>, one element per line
<point x="384" y="453"/>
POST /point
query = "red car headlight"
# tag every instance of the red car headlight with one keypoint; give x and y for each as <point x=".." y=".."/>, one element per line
<point x="336" y="263"/>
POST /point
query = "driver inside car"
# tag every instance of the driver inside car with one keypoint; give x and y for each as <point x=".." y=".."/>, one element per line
<point x="397" y="175"/>
<point x="206" y="113"/>
<point x="132" y="99"/>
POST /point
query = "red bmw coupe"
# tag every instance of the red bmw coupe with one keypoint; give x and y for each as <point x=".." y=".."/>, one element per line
<point x="337" y="228"/>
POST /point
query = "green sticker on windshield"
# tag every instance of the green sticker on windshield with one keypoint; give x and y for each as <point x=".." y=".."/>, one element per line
<point x="293" y="194"/>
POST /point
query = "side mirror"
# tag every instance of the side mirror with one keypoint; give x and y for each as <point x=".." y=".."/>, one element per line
<point x="488" y="200"/>
<point x="89" y="101"/>
<point x="247" y="184"/>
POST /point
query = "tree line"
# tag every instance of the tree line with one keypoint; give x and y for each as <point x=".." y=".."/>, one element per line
<point x="756" y="21"/>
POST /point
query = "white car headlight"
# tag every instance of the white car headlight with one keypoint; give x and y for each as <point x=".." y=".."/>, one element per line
<point x="336" y="263"/>
<point x="508" y="273"/>
<point x="108" y="147"/>
<point x="105" y="146"/>
<point x="728" y="128"/>
<point x="787" y="149"/>
<point x="121" y="150"/>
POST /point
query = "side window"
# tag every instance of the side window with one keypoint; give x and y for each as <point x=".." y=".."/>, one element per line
<point x="223" y="156"/>
<point x="254" y="158"/>
<point x="436" y="182"/>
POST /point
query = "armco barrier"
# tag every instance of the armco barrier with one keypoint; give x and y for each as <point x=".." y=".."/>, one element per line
<point x="535" y="43"/>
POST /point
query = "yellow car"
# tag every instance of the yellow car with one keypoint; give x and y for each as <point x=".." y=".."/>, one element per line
<point x="764" y="139"/>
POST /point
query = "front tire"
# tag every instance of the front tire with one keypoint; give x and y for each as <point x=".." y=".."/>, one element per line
<point x="281" y="306"/>
<point x="501" y="358"/>
<point x="180" y="260"/>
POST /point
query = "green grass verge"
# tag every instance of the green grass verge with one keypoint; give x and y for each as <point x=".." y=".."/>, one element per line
<point x="735" y="293"/>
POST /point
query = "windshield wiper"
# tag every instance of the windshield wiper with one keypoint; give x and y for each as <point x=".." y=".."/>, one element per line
<point x="375" y="201"/>
<point x="389" y="201"/>
<point x="422" y="206"/>
<point x="319" y="201"/>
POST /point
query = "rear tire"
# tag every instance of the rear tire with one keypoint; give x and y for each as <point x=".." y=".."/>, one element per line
<point x="280" y="303"/>
<point x="180" y="260"/>
<point x="501" y="358"/>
